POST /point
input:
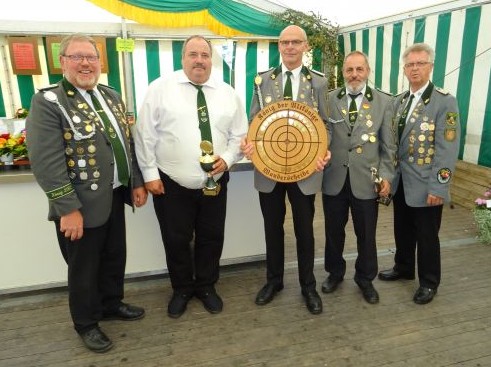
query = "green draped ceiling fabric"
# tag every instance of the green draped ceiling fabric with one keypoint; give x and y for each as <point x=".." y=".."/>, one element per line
<point x="226" y="18"/>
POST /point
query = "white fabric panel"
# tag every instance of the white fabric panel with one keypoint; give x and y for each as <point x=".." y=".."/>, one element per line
<point x="372" y="53"/>
<point x="480" y="83"/>
<point x="240" y="70"/>
<point x="431" y="28"/>
<point x="140" y="73"/>
<point x="388" y="29"/>
<point x="452" y="69"/>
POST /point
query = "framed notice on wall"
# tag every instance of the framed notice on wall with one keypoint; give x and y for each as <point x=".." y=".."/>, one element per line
<point x="24" y="55"/>
<point x="53" y="51"/>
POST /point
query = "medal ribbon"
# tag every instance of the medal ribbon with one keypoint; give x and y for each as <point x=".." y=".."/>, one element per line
<point x="118" y="150"/>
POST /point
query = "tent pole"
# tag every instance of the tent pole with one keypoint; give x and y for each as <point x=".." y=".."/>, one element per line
<point x="128" y="77"/>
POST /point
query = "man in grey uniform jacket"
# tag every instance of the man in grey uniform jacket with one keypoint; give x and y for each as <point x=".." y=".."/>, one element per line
<point x="75" y="161"/>
<point x="363" y="140"/>
<point x="308" y="87"/>
<point x="429" y="135"/>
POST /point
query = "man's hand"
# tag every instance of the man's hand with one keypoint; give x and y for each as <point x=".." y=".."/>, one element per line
<point x="384" y="188"/>
<point x="322" y="162"/>
<point x="155" y="187"/>
<point x="219" y="166"/>
<point x="140" y="196"/>
<point x="246" y="148"/>
<point x="72" y="225"/>
<point x="434" y="200"/>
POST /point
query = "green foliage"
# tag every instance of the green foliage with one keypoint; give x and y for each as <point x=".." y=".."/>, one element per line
<point x="482" y="217"/>
<point x="322" y="37"/>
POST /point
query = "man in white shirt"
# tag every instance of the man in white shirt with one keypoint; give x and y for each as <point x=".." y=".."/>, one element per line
<point x="169" y="134"/>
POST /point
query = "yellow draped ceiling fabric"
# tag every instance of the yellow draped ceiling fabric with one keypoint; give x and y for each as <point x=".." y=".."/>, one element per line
<point x="201" y="18"/>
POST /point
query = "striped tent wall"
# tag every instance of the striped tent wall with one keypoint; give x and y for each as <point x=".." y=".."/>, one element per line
<point x="155" y="58"/>
<point x="16" y="91"/>
<point x="150" y="59"/>
<point x="462" y="42"/>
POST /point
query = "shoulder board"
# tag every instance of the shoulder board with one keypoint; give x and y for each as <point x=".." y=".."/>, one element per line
<point x="104" y="85"/>
<point x="317" y="72"/>
<point x="49" y="87"/>
<point x="265" y="71"/>
<point x="441" y="91"/>
<point x="384" y="92"/>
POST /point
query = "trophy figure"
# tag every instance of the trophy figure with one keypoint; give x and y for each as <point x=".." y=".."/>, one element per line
<point x="206" y="161"/>
<point x="378" y="186"/>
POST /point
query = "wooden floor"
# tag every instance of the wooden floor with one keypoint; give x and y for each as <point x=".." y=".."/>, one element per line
<point x="453" y="330"/>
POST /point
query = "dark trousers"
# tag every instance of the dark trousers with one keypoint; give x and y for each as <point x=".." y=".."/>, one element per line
<point x="96" y="267"/>
<point x="364" y="214"/>
<point x="416" y="231"/>
<point x="183" y="213"/>
<point x="273" y="207"/>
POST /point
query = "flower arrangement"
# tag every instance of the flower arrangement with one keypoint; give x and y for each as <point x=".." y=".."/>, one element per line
<point x="14" y="144"/>
<point x="482" y="217"/>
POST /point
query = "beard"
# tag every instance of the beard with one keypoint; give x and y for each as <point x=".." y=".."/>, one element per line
<point x="355" y="89"/>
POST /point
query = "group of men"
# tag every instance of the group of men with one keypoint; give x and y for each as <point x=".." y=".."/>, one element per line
<point x="84" y="157"/>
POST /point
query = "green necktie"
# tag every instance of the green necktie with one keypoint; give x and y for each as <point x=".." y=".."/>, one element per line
<point x="402" y="120"/>
<point x="287" y="93"/>
<point x="118" y="150"/>
<point x="353" y="109"/>
<point x="203" y="117"/>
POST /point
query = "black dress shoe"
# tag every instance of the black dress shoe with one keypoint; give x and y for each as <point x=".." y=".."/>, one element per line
<point x="95" y="340"/>
<point x="125" y="312"/>
<point x="211" y="301"/>
<point x="267" y="293"/>
<point x="178" y="303"/>
<point x="313" y="301"/>
<point x="369" y="292"/>
<point x="391" y="274"/>
<point x="424" y="295"/>
<point x="330" y="285"/>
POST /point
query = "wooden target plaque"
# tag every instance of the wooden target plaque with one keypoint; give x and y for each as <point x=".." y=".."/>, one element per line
<point x="288" y="138"/>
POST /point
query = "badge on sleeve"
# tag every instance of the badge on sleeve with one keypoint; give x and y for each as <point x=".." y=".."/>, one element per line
<point x="450" y="134"/>
<point x="444" y="175"/>
<point x="452" y="118"/>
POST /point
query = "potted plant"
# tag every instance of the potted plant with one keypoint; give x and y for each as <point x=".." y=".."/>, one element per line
<point x="482" y="217"/>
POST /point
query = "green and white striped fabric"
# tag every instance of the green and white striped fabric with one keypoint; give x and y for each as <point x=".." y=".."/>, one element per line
<point x="462" y="42"/>
<point x="150" y="59"/>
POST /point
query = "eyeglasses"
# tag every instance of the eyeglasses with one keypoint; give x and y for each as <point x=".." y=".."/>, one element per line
<point x="419" y="64"/>
<point x="292" y="42"/>
<point x="79" y="58"/>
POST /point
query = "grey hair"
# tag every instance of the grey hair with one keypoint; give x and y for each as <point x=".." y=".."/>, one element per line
<point x="77" y="37"/>
<point x="418" y="47"/>
<point x="356" y="52"/>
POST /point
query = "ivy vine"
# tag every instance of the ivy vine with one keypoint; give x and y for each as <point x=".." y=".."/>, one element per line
<point x="322" y="37"/>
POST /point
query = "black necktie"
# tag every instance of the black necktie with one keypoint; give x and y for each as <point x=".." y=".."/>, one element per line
<point x="353" y="109"/>
<point x="288" y="93"/>
<point x="402" y="120"/>
<point x="118" y="150"/>
<point x="203" y="117"/>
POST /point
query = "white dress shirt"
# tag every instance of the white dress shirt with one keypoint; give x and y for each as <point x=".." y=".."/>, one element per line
<point x="167" y="135"/>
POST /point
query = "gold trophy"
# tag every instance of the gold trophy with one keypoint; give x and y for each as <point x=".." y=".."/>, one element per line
<point x="378" y="186"/>
<point x="206" y="161"/>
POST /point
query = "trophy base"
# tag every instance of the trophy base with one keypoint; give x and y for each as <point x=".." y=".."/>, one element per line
<point x="385" y="200"/>
<point x="211" y="191"/>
